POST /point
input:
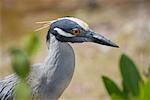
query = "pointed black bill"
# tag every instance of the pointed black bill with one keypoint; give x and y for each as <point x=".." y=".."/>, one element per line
<point x="97" y="38"/>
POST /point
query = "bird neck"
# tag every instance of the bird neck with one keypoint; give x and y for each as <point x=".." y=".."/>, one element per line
<point x="53" y="46"/>
<point x="57" y="70"/>
<point x="54" y="51"/>
<point x="59" y="54"/>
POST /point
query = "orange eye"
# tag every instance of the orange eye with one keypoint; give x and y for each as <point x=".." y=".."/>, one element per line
<point x="75" y="32"/>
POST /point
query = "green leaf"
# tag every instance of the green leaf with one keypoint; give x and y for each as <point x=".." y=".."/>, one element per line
<point x="117" y="97"/>
<point x="130" y="74"/>
<point x="31" y="44"/>
<point x="144" y="91"/>
<point x="111" y="87"/>
<point x="22" y="91"/>
<point x="20" y="63"/>
<point x="126" y="91"/>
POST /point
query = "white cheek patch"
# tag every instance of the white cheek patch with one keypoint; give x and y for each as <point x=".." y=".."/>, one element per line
<point x="63" y="33"/>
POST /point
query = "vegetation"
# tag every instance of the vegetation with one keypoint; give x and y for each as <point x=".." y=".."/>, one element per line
<point x="133" y="86"/>
<point x="21" y="65"/>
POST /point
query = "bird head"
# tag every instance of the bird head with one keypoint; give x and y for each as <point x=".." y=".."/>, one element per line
<point x="70" y="29"/>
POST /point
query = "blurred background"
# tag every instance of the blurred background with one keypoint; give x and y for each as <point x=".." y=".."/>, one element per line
<point x="126" y="22"/>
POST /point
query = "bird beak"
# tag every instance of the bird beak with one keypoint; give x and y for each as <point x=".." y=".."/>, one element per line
<point x="97" y="38"/>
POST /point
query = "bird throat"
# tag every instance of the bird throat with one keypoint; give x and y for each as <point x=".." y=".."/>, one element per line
<point x="58" y="68"/>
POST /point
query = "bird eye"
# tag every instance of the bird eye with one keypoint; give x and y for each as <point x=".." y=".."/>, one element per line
<point x="75" y="32"/>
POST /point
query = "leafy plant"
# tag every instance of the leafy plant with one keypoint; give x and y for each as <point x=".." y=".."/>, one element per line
<point x="20" y="63"/>
<point x="111" y="87"/>
<point x="130" y="75"/>
<point x="144" y="91"/>
<point x="20" y="60"/>
<point x="133" y="87"/>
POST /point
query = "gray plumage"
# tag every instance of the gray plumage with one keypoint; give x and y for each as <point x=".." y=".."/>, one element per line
<point x="54" y="76"/>
<point x="49" y="79"/>
<point x="7" y="86"/>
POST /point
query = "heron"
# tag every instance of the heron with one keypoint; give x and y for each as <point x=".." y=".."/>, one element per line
<point x="50" y="78"/>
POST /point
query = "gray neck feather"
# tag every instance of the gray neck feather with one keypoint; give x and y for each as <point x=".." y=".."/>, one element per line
<point x="58" y="68"/>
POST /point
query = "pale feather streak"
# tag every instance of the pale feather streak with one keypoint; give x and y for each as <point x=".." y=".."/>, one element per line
<point x="63" y="33"/>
